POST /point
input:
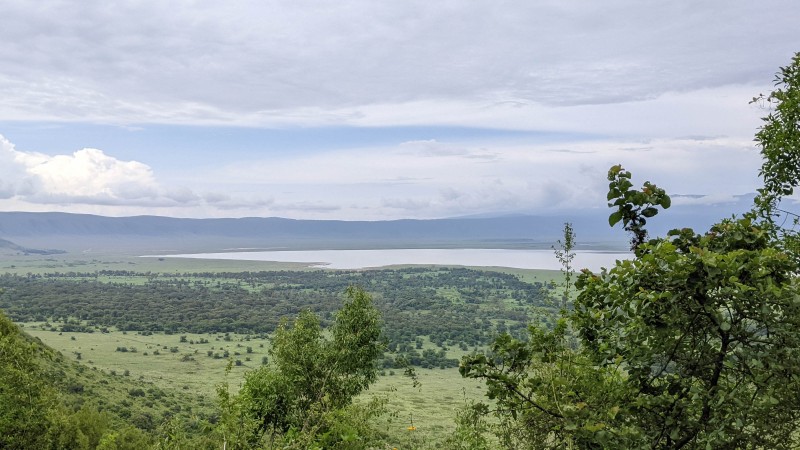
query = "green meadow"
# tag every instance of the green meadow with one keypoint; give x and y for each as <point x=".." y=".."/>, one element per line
<point x="181" y="364"/>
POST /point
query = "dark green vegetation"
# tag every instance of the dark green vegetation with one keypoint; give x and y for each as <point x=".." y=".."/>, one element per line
<point x="693" y="344"/>
<point x="450" y="306"/>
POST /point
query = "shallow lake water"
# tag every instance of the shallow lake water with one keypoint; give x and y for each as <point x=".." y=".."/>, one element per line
<point x="360" y="259"/>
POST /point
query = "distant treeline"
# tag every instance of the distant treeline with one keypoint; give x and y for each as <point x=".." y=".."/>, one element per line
<point x="450" y="306"/>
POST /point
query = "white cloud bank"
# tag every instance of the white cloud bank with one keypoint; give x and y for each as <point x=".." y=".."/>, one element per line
<point x="87" y="176"/>
<point x="416" y="179"/>
<point x="426" y="179"/>
<point x="362" y="62"/>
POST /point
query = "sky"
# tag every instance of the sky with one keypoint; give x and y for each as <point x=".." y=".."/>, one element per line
<point x="367" y="110"/>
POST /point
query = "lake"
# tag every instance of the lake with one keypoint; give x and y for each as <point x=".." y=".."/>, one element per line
<point x="361" y="259"/>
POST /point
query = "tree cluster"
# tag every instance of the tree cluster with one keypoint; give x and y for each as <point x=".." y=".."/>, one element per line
<point x="449" y="306"/>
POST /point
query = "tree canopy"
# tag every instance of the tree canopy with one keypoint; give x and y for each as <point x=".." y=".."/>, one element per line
<point x="310" y="377"/>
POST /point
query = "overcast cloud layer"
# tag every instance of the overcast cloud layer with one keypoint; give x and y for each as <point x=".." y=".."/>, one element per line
<point x="662" y="87"/>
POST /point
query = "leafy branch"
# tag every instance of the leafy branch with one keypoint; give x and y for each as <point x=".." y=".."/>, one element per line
<point x="633" y="207"/>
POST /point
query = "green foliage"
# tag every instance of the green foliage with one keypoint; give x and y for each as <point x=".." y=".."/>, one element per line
<point x="25" y="396"/>
<point x="779" y="138"/>
<point x="349" y="428"/>
<point x="80" y="430"/>
<point x="126" y="438"/>
<point x="448" y="306"/>
<point x="692" y="344"/>
<point x="633" y="207"/>
<point x="564" y="252"/>
<point x="542" y="386"/>
<point x="237" y="426"/>
<point x="706" y="329"/>
<point x="695" y="343"/>
<point x="547" y="394"/>
<point x="89" y="428"/>
<point x="35" y="414"/>
<point x="311" y="377"/>
<point x="471" y="429"/>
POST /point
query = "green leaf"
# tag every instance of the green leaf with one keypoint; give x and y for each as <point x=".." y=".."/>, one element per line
<point x="594" y="428"/>
<point x="649" y="212"/>
<point x="614" y="218"/>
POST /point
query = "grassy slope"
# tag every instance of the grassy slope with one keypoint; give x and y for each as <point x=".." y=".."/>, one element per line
<point x="190" y="368"/>
<point x="127" y="398"/>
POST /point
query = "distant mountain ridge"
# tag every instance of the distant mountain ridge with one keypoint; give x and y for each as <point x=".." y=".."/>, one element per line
<point x="32" y="224"/>
<point x="82" y="229"/>
<point x="158" y="233"/>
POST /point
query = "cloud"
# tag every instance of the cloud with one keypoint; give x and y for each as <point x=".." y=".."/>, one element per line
<point x="523" y="178"/>
<point x="87" y="176"/>
<point x="14" y="179"/>
<point x="661" y="88"/>
<point x="270" y="62"/>
<point x="409" y="204"/>
<point x="223" y="202"/>
<point x="216" y="198"/>
<point x="704" y="200"/>
<point x="424" y="179"/>
<point x="433" y="149"/>
<point x="90" y="173"/>
<point x="306" y="206"/>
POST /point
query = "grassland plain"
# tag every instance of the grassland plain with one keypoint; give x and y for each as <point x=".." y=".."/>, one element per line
<point x="194" y="364"/>
<point x="181" y="363"/>
<point x="160" y="358"/>
<point x="37" y="264"/>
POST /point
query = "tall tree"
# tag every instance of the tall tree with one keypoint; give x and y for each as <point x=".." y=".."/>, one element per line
<point x="311" y="376"/>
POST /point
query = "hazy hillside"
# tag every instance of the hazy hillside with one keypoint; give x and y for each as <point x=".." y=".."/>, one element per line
<point x="8" y="247"/>
<point x="78" y="232"/>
